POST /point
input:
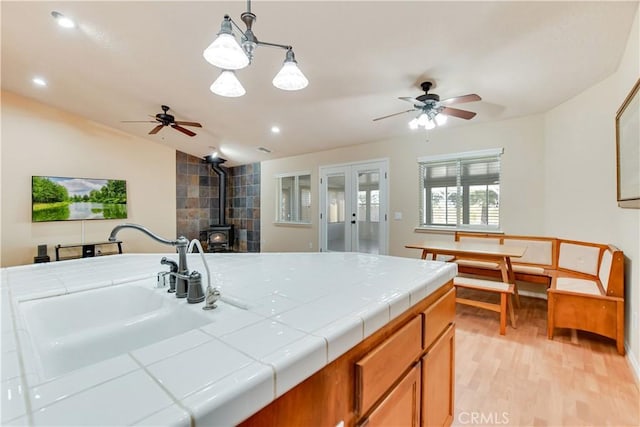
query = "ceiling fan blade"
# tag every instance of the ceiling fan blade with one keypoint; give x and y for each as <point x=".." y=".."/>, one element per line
<point x="156" y="129"/>
<point x="394" y="114"/>
<point x="472" y="97"/>
<point x="195" y="124"/>
<point x="183" y="130"/>
<point x="137" y="121"/>
<point x="461" y="114"/>
<point x="413" y="101"/>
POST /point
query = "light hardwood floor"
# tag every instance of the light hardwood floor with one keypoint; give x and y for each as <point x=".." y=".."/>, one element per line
<point x="524" y="379"/>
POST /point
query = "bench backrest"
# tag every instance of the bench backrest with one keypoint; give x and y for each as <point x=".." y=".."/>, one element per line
<point x="604" y="262"/>
<point x="541" y="251"/>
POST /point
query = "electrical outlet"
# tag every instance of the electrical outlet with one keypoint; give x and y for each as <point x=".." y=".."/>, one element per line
<point x="310" y="245"/>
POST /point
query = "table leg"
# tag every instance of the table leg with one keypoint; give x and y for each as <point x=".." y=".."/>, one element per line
<point x="503" y="313"/>
<point x="509" y="277"/>
<point x="511" y="314"/>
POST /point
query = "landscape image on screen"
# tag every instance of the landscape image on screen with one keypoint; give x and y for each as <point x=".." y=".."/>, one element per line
<point x="67" y="199"/>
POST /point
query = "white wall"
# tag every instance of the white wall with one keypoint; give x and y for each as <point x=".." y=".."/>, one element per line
<point x="559" y="179"/>
<point x="40" y="140"/>
<point x="522" y="192"/>
<point x="580" y="177"/>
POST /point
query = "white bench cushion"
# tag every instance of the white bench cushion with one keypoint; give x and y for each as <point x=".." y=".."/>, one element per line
<point x="581" y="286"/>
<point x="580" y="258"/>
<point x="538" y="251"/>
<point x="489" y="285"/>
<point x="605" y="268"/>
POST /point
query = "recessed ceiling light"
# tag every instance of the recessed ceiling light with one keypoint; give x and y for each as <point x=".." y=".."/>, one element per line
<point x="39" y="81"/>
<point x="275" y="129"/>
<point x="62" y="20"/>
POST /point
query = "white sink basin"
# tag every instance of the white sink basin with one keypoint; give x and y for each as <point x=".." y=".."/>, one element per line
<point x="78" y="329"/>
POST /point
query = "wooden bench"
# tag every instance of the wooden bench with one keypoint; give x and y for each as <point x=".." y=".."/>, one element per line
<point x="506" y="291"/>
<point x="587" y="291"/>
<point x="585" y="280"/>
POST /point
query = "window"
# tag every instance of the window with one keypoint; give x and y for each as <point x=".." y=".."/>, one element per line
<point x="460" y="190"/>
<point x="294" y="198"/>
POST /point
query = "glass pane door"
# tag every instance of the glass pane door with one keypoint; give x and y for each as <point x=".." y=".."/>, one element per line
<point x="335" y="214"/>
<point x="353" y="210"/>
<point x="368" y="212"/>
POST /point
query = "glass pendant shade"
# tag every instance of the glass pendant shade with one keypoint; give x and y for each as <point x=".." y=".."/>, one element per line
<point x="227" y="84"/>
<point x="413" y="124"/>
<point x="226" y="53"/>
<point x="441" y="119"/>
<point x="290" y="77"/>
<point x="430" y="124"/>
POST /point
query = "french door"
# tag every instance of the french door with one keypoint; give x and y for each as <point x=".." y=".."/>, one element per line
<point x="353" y="207"/>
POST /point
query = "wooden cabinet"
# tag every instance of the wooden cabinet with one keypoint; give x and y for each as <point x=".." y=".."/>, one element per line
<point x="429" y="338"/>
<point x="402" y="406"/>
<point x="402" y="375"/>
<point x="438" y="379"/>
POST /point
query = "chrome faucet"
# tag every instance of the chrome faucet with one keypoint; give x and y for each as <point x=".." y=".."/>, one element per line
<point x="182" y="276"/>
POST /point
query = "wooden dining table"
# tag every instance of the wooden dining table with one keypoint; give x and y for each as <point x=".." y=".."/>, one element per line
<point x="486" y="252"/>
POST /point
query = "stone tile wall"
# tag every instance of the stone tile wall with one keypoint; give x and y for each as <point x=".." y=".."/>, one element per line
<point x="197" y="200"/>
<point x="196" y="195"/>
<point x="243" y="206"/>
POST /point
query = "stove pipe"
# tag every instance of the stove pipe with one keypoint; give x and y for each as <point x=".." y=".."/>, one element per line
<point x="222" y="186"/>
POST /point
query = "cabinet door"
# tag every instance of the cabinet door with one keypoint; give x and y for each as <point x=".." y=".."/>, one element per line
<point x="438" y="376"/>
<point x="402" y="406"/>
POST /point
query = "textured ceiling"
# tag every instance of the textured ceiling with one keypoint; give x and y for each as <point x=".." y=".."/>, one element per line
<point x="125" y="59"/>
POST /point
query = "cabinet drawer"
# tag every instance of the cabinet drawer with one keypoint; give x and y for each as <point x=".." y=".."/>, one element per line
<point x="438" y="317"/>
<point x="383" y="366"/>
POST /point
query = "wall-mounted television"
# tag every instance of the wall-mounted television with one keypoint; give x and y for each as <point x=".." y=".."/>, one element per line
<point x="55" y="198"/>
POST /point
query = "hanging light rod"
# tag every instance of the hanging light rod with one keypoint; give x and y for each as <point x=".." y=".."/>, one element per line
<point x="227" y="54"/>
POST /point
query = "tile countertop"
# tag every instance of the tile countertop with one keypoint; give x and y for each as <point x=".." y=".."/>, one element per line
<point x="287" y="316"/>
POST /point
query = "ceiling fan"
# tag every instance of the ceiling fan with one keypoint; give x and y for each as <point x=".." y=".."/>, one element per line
<point x="431" y="107"/>
<point x="166" y="119"/>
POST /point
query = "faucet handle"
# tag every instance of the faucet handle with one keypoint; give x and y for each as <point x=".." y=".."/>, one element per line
<point x="211" y="296"/>
<point x="161" y="279"/>
<point x="194" y="288"/>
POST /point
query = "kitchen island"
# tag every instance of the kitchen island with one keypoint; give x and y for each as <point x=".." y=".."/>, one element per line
<point x="359" y="332"/>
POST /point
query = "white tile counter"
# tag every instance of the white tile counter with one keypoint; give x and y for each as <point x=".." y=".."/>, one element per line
<point x="287" y="315"/>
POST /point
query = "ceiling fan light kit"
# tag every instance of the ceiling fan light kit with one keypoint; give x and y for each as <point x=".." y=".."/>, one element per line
<point x="227" y="54"/>
<point x="431" y="111"/>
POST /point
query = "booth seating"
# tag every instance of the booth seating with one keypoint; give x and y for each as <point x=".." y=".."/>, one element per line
<point x="585" y="280"/>
<point x="536" y="265"/>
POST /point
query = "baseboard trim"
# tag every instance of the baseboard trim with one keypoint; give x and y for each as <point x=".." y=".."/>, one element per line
<point x="632" y="360"/>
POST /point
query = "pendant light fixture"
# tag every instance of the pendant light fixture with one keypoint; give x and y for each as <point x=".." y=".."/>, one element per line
<point x="227" y="54"/>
